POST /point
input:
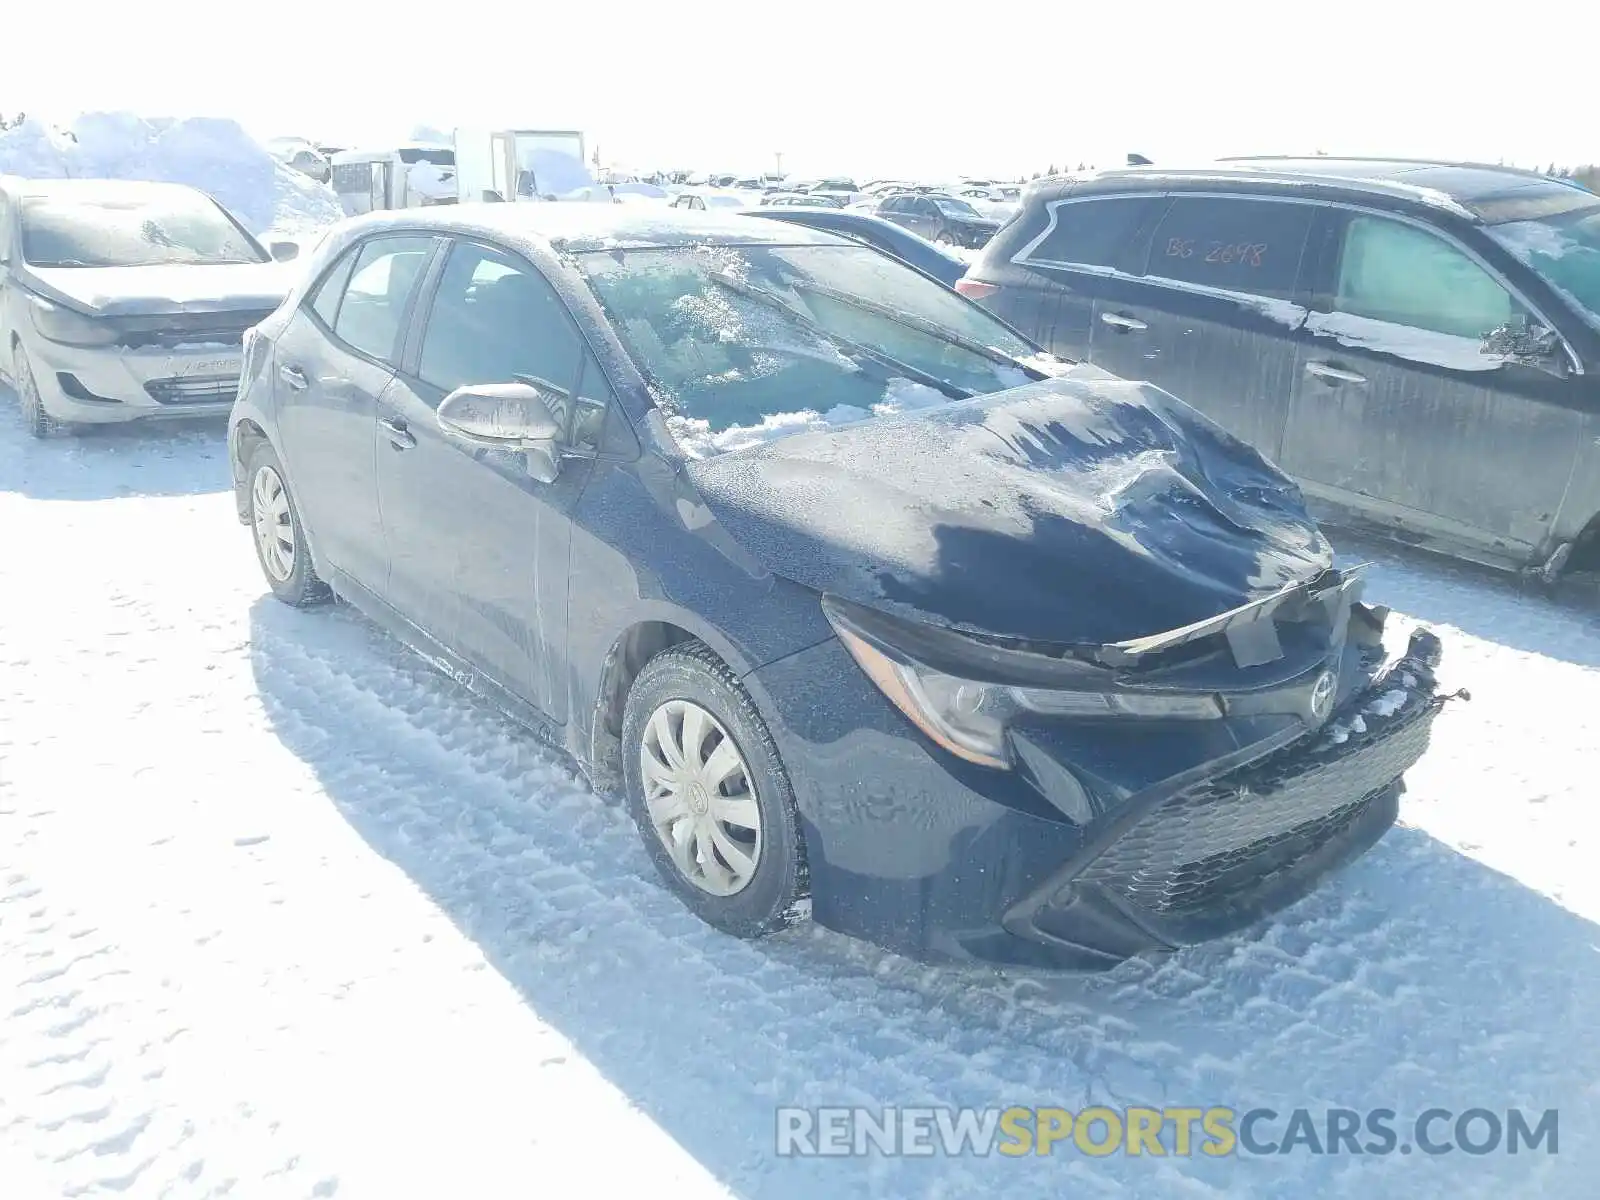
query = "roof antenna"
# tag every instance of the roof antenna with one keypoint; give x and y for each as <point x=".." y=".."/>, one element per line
<point x="1139" y="160"/>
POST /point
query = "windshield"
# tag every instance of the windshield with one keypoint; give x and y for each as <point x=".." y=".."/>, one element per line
<point x="743" y="343"/>
<point x="124" y="231"/>
<point x="951" y="207"/>
<point x="1563" y="248"/>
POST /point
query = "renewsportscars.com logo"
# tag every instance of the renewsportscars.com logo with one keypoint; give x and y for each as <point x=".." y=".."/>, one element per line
<point x="1214" y="1132"/>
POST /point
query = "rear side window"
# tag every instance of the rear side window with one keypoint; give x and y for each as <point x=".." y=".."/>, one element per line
<point x="1096" y="233"/>
<point x="374" y="303"/>
<point x="1240" y="245"/>
<point x="1390" y="271"/>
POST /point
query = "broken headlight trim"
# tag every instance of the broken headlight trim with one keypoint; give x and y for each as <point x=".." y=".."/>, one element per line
<point x="968" y="717"/>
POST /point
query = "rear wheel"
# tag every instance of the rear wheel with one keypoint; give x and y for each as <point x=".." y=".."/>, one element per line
<point x="40" y="423"/>
<point x="945" y="238"/>
<point x="710" y="795"/>
<point x="279" y="537"/>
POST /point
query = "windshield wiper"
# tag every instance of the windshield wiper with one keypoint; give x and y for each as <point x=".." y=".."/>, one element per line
<point x="850" y="349"/>
<point x="922" y="325"/>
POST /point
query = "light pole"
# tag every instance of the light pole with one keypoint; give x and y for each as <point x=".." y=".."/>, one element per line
<point x="779" y="156"/>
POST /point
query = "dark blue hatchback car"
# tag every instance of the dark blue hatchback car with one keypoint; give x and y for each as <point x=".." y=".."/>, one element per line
<point x="869" y="609"/>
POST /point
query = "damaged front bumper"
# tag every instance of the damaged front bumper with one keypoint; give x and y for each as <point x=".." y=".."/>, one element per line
<point x="1206" y="853"/>
<point x="1104" y="836"/>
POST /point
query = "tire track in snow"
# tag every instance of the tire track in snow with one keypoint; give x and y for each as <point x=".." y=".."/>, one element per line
<point x="1420" y="977"/>
<point x="551" y="881"/>
<point x="566" y="904"/>
<point x="84" y="1106"/>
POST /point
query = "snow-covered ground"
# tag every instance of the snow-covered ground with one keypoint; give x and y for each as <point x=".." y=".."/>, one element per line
<point x="283" y="913"/>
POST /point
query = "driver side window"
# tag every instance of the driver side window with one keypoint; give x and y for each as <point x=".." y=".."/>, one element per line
<point x="495" y="317"/>
<point x="1389" y="271"/>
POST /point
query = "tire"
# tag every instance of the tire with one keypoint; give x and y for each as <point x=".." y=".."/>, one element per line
<point x="40" y="423"/>
<point x="945" y="238"/>
<point x="775" y="894"/>
<point x="275" y="522"/>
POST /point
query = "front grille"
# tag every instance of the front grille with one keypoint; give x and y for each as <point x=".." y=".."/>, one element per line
<point x="188" y="329"/>
<point x="202" y="389"/>
<point x="1236" y="833"/>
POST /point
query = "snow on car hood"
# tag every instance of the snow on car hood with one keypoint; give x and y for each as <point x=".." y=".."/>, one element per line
<point x="1072" y="511"/>
<point x="176" y="288"/>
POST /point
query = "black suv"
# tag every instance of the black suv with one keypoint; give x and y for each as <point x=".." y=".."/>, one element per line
<point x="940" y="218"/>
<point x="1416" y="343"/>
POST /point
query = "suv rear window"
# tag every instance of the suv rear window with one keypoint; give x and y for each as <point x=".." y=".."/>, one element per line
<point x="1238" y="244"/>
<point x="1096" y="232"/>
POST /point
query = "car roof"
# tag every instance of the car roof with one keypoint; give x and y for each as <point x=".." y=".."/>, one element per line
<point x="1464" y="188"/>
<point x="104" y="190"/>
<point x="577" y="227"/>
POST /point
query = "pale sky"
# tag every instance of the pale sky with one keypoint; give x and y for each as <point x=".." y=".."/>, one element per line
<point x="858" y="87"/>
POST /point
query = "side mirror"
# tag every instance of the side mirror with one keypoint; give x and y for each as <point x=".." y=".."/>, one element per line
<point x="283" y="251"/>
<point x="1528" y="344"/>
<point x="508" y="416"/>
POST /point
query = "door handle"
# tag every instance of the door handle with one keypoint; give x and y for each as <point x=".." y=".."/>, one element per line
<point x="1120" y="322"/>
<point x="1333" y="374"/>
<point x="294" y="377"/>
<point x="395" y="430"/>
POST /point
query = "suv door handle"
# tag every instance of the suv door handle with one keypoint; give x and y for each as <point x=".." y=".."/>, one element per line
<point x="1332" y="374"/>
<point x="395" y="430"/>
<point x="1122" y="323"/>
<point x="294" y="377"/>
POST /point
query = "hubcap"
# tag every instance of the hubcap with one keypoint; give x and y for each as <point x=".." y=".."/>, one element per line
<point x="269" y="503"/>
<point x="699" y="796"/>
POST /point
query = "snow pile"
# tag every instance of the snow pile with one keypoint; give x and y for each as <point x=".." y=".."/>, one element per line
<point x="216" y="156"/>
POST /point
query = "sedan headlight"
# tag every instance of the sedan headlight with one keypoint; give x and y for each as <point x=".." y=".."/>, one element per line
<point x="60" y="324"/>
<point x="968" y="717"/>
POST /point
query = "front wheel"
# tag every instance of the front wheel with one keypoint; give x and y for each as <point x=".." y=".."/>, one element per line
<point x="40" y="424"/>
<point x="280" y="539"/>
<point x="945" y="238"/>
<point x="710" y="795"/>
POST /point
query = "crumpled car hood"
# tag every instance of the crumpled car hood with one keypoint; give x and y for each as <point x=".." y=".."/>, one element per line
<point x="160" y="290"/>
<point x="1070" y="511"/>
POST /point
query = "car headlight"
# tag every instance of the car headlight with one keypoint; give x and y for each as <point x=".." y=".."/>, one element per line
<point x="60" y="324"/>
<point x="968" y="717"/>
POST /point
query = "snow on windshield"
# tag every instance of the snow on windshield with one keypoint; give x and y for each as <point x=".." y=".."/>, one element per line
<point x="742" y="344"/>
<point x="899" y="395"/>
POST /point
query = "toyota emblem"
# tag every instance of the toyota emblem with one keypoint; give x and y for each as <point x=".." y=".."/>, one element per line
<point x="1322" y="695"/>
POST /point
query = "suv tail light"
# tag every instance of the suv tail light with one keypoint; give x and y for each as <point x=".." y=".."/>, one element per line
<point x="975" y="289"/>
